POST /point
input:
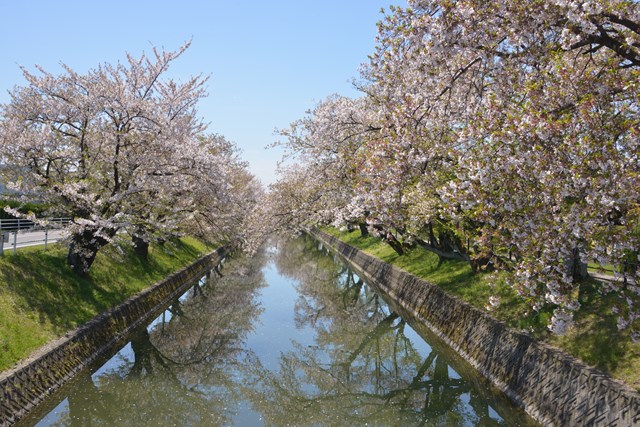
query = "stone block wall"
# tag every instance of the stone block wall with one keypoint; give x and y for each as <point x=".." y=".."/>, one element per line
<point x="25" y="386"/>
<point x="552" y="386"/>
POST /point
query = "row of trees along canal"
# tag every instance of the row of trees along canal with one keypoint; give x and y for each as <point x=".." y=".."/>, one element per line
<point x="121" y="148"/>
<point x="501" y="133"/>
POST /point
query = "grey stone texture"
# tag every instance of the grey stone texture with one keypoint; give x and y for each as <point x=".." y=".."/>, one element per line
<point x="28" y="384"/>
<point x="553" y="387"/>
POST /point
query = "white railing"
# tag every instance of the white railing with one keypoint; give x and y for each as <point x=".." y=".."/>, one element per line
<point x="15" y="233"/>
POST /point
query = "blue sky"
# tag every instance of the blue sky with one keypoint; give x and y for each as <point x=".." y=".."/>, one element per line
<point x="268" y="61"/>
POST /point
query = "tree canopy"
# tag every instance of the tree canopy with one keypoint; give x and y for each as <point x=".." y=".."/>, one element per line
<point x="121" y="148"/>
<point x="502" y="133"/>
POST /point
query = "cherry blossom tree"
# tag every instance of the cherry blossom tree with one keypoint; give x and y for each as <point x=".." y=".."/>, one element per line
<point x="506" y="135"/>
<point x="205" y="190"/>
<point x="539" y="103"/>
<point x="318" y="186"/>
<point x="119" y="148"/>
<point x="335" y="177"/>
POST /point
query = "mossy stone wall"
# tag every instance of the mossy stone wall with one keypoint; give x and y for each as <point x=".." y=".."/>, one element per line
<point x="28" y="384"/>
<point x="552" y="386"/>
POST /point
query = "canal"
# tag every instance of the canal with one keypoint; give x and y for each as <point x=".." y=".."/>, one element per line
<point x="290" y="336"/>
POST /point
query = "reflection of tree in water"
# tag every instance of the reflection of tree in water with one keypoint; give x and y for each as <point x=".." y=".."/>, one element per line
<point x="181" y="371"/>
<point x="327" y="289"/>
<point x="364" y="369"/>
<point x="192" y="366"/>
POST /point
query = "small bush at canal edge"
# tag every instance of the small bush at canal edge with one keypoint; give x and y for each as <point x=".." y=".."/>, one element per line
<point x="595" y="339"/>
<point x="42" y="299"/>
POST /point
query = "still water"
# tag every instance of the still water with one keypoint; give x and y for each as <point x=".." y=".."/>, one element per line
<point x="290" y="336"/>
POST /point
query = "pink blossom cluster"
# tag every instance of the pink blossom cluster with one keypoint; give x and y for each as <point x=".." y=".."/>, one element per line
<point x="122" y="149"/>
<point x="503" y="133"/>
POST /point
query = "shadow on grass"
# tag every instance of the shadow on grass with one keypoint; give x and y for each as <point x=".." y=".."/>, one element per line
<point x="604" y="348"/>
<point x="45" y="285"/>
<point x="595" y="339"/>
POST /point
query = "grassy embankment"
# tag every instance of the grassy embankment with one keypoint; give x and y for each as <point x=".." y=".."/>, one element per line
<point x="595" y="339"/>
<point x="42" y="299"/>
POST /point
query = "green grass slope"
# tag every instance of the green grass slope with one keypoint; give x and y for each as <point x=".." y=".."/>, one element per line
<point x="42" y="299"/>
<point x="595" y="338"/>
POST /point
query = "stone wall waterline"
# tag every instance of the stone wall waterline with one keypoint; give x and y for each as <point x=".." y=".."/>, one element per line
<point x="28" y="384"/>
<point x="552" y="386"/>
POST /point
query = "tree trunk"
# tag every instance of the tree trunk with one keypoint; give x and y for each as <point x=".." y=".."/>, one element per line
<point x="83" y="250"/>
<point x="390" y="239"/>
<point x="364" y="230"/>
<point x="142" y="351"/>
<point x="481" y="264"/>
<point x="576" y="267"/>
<point x="140" y="247"/>
<point x="395" y="244"/>
<point x="443" y="254"/>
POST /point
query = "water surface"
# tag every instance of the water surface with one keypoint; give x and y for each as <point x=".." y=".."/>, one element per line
<point x="290" y="336"/>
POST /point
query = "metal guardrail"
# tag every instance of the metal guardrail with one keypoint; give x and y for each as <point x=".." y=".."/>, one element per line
<point x="37" y="232"/>
<point x="15" y="224"/>
<point x="27" y="224"/>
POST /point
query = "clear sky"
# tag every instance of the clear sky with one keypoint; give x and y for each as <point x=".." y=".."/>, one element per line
<point x="268" y="61"/>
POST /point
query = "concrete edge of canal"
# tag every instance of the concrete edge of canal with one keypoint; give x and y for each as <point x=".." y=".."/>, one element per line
<point x="552" y="386"/>
<point x="29" y="383"/>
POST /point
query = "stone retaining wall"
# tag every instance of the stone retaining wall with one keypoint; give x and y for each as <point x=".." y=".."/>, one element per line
<point x="553" y="387"/>
<point x="27" y="385"/>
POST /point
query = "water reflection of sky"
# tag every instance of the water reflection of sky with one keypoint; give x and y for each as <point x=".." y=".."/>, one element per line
<point x="273" y="359"/>
<point x="275" y="329"/>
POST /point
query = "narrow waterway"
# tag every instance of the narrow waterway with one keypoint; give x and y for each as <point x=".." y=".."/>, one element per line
<point x="290" y="336"/>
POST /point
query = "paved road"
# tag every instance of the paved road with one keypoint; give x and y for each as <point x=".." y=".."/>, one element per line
<point x="611" y="277"/>
<point x="32" y="238"/>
